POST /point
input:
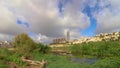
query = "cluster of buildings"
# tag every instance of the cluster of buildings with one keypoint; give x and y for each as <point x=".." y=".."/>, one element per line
<point x="101" y="37"/>
<point x="5" y="44"/>
<point x="59" y="42"/>
<point x="62" y="40"/>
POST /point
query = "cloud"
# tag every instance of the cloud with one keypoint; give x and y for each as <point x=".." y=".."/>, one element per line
<point x="44" y="17"/>
<point x="6" y="37"/>
<point x="108" y="17"/>
<point x="7" y="23"/>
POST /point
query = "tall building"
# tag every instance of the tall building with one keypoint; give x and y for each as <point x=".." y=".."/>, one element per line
<point x="62" y="40"/>
<point x="68" y="36"/>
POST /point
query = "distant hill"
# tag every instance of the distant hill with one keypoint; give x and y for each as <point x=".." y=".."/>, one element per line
<point x="115" y="36"/>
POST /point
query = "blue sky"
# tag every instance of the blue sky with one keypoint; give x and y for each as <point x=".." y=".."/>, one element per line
<point x="20" y="22"/>
<point x="93" y="22"/>
<point x="90" y="11"/>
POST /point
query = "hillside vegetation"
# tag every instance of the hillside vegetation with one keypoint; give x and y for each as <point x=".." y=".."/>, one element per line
<point x="97" y="49"/>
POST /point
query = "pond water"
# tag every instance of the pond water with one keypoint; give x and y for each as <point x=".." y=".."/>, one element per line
<point x="83" y="60"/>
<point x="79" y="60"/>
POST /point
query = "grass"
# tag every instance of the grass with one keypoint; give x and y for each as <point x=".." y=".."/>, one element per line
<point x="3" y="64"/>
<point x="8" y="56"/>
<point x="56" y="61"/>
<point x="16" y="58"/>
<point x="113" y="62"/>
<point x="107" y="51"/>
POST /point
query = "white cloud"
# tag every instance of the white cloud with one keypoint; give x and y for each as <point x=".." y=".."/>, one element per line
<point x="5" y="37"/>
<point x="108" y="18"/>
<point x="8" y="23"/>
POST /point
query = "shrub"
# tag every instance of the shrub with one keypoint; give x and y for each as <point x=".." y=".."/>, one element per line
<point x="108" y="63"/>
<point x="24" y="44"/>
<point x="4" y="53"/>
<point x="43" y="48"/>
<point x="99" y="49"/>
<point x="16" y="59"/>
<point x="76" y="50"/>
<point x="22" y="39"/>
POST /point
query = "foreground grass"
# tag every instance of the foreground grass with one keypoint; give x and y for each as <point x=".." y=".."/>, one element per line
<point x="3" y="64"/>
<point x="56" y="61"/>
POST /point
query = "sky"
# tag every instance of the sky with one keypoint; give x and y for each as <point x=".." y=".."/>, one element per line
<point x="44" y="20"/>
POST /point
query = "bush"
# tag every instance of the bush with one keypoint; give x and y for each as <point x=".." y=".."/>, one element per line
<point x="24" y="44"/>
<point x="108" y="63"/>
<point x="4" y="53"/>
<point x="22" y="39"/>
<point x="76" y="50"/>
<point x="99" y="49"/>
<point x="43" y="48"/>
<point x="16" y="59"/>
<point x="81" y="49"/>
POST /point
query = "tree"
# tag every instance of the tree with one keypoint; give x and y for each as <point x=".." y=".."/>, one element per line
<point x="23" y="43"/>
<point x="22" y="39"/>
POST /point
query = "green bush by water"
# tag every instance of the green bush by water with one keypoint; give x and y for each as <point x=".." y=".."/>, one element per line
<point x="98" y="49"/>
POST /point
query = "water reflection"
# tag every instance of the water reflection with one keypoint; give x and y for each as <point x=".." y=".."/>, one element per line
<point x="84" y="60"/>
